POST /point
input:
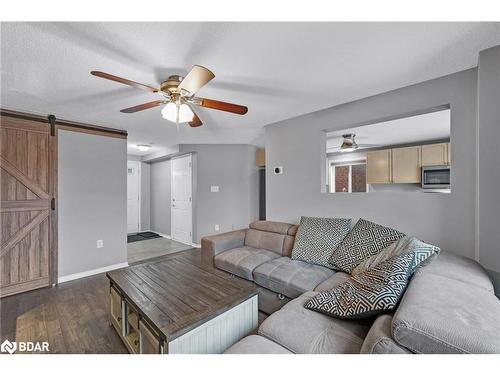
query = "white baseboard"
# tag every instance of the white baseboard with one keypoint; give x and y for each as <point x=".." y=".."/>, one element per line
<point x="79" y="275"/>
<point x="198" y="246"/>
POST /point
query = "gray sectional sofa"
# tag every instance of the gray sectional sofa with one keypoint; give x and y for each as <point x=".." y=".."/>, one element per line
<point x="449" y="305"/>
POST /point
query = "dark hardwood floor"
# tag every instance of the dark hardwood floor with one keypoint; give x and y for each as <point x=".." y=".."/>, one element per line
<point x="72" y="317"/>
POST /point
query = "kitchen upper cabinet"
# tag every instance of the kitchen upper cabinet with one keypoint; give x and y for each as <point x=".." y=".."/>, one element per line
<point x="436" y="154"/>
<point x="378" y="167"/>
<point x="406" y="165"/>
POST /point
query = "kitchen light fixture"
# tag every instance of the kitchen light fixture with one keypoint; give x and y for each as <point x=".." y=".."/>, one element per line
<point x="177" y="112"/>
<point x="349" y="144"/>
<point x="143" y="148"/>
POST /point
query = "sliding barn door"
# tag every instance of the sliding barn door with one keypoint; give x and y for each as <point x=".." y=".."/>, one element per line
<point x="28" y="222"/>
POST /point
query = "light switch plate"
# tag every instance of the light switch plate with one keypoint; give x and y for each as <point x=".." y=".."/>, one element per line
<point x="100" y="244"/>
<point x="214" y="189"/>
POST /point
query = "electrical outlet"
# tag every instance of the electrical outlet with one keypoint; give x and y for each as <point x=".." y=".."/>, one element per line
<point x="100" y="244"/>
<point x="214" y="189"/>
<point x="217" y="228"/>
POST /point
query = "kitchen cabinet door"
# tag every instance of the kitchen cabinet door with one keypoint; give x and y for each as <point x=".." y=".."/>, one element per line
<point x="406" y="165"/>
<point x="436" y="154"/>
<point x="378" y="167"/>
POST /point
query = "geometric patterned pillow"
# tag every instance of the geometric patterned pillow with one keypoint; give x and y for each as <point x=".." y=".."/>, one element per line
<point x="372" y="292"/>
<point x="364" y="240"/>
<point x="317" y="238"/>
<point x="421" y="253"/>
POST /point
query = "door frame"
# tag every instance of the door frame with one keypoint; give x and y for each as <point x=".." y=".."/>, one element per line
<point x="190" y="154"/>
<point x="139" y="195"/>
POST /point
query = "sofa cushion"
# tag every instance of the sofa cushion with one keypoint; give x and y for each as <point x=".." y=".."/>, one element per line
<point x="271" y="226"/>
<point x="373" y="291"/>
<point x="459" y="268"/>
<point x="364" y="240"/>
<point x="303" y="331"/>
<point x="317" y="238"/>
<point x="241" y="261"/>
<point x="333" y="281"/>
<point x="442" y="315"/>
<point x="288" y="245"/>
<point x="290" y="277"/>
<point x="255" y="344"/>
<point x="292" y="231"/>
<point x="422" y="251"/>
<point x="265" y="240"/>
<point x="379" y="339"/>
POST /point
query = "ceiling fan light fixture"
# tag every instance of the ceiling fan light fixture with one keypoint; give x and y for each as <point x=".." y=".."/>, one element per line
<point x="348" y="149"/>
<point x="349" y="144"/>
<point x="177" y="113"/>
<point x="143" y="148"/>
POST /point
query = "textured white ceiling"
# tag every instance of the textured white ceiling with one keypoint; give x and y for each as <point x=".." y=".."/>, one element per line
<point x="421" y="128"/>
<point x="279" y="70"/>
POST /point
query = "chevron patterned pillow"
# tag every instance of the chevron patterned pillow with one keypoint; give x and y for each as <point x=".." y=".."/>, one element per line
<point x="422" y="253"/>
<point x="364" y="240"/>
<point x="317" y="238"/>
<point x="372" y="292"/>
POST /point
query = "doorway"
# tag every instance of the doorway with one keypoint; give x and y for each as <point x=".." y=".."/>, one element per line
<point x="133" y="196"/>
<point x="181" y="200"/>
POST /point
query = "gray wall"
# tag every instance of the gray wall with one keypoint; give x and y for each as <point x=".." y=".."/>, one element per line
<point x="298" y="144"/>
<point x="488" y="239"/>
<point x="145" y="196"/>
<point x="145" y="192"/>
<point x="233" y="169"/>
<point x="92" y="196"/>
<point x="160" y="196"/>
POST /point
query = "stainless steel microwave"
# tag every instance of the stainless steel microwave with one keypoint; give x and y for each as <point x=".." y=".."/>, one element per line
<point x="436" y="177"/>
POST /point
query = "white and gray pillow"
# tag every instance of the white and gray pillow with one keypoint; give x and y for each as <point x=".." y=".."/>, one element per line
<point x="363" y="241"/>
<point x="422" y="252"/>
<point x="369" y="293"/>
<point x="317" y="238"/>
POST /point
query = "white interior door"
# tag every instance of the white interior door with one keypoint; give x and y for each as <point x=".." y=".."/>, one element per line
<point x="181" y="202"/>
<point x="133" y="194"/>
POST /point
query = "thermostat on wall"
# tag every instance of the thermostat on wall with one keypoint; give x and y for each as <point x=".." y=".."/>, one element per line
<point x="278" y="170"/>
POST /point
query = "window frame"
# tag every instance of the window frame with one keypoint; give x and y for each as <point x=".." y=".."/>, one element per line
<point x="349" y="164"/>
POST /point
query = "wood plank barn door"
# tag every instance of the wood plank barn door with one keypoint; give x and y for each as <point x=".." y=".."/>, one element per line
<point x="28" y="217"/>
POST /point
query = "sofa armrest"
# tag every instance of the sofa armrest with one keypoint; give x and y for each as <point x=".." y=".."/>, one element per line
<point x="216" y="244"/>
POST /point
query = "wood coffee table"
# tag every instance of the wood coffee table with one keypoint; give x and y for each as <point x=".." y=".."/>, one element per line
<point x="175" y="304"/>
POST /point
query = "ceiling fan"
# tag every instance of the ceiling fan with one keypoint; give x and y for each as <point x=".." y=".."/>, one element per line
<point x="178" y="96"/>
<point x="349" y="144"/>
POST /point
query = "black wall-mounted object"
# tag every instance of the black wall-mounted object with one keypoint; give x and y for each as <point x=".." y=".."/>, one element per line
<point x="262" y="194"/>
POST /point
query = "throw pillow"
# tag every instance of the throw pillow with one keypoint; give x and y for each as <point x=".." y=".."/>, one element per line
<point x="372" y="292"/>
<point x="364" y="240"/>
<point x="421" y="250"/>
<point x="317" y="238"/>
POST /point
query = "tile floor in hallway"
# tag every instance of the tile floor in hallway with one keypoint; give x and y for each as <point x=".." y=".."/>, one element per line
<point x="142" y="250"/>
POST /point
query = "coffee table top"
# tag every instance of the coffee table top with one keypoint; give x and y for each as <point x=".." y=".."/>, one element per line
<point x="177" y="292"/>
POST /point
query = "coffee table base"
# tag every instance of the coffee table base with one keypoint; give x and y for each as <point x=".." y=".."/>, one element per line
<point x="219" y="333"/>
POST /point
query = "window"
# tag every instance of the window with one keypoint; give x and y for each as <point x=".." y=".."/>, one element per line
<point x="348" y="178"/>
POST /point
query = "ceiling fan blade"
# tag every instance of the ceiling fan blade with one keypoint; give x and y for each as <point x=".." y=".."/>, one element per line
<point x="198" y="77"/>
<point x="223" y="106"/>
<point x="195" y="122"/>
<point x="368" y="145"/>
<point x="123" y="80"/>
<point x="142" y="107"/>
